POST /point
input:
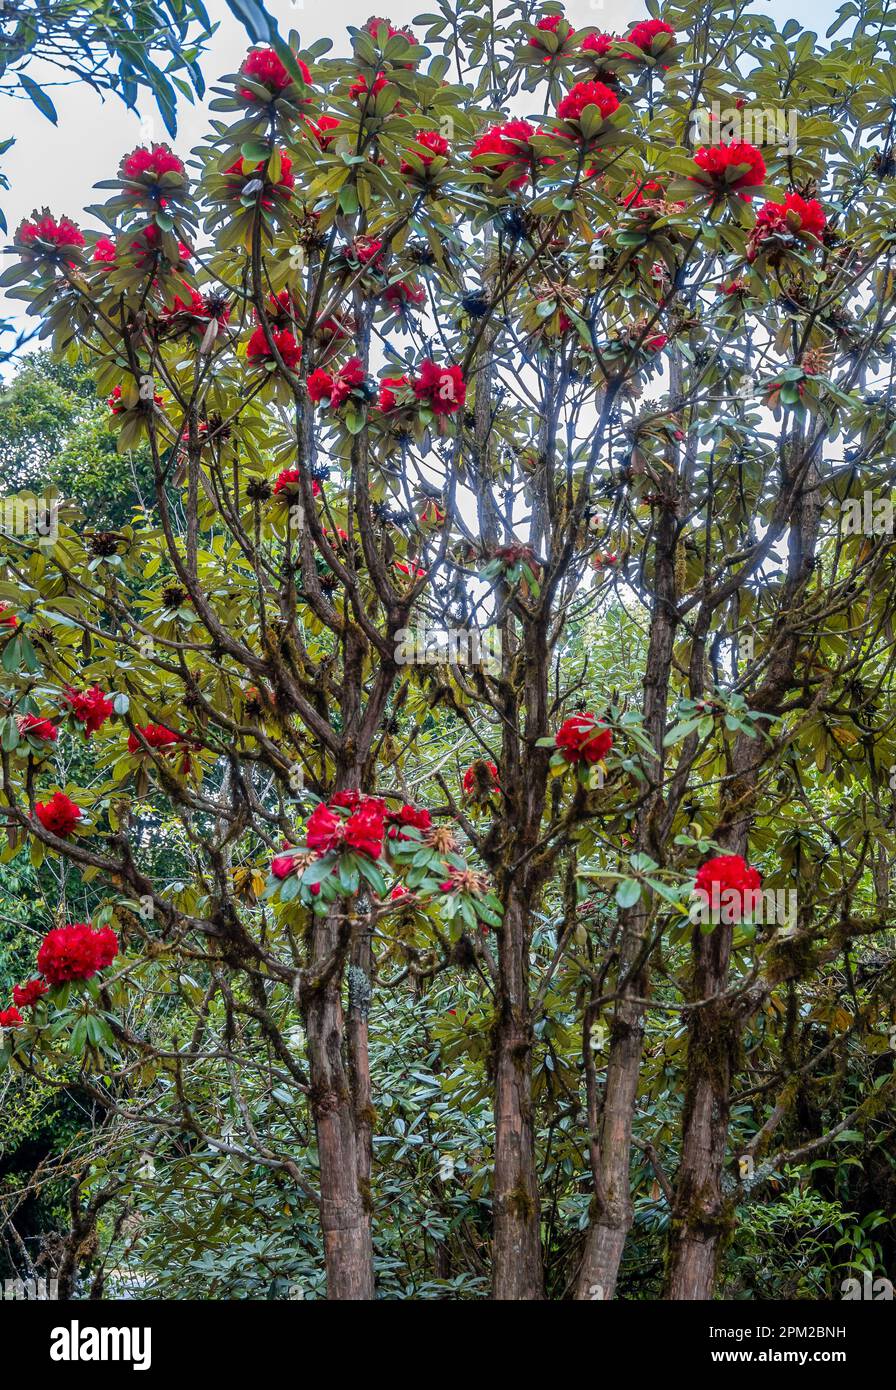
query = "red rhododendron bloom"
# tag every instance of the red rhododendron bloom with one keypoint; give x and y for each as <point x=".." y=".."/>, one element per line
<point x="155" y="162"/>
<point x="598" y="43"/>
<point x="324" y="829"/>
<point x="320" y="385"/>
<point x="656" y="342"/>
<point x="387" y="399"/>
<point x="258" y="350"/>
<point x="7" y="617"/>
<point x="434" y="144"/>
<point x="35" y="726"/>
<point x="104" y="250"/>
<point x="288" y="481"/>
<point x="510" y="139"/>
<point x="443" y="389"/>
<point x="794" y="215"/>
<point x="374" y="23"/>
<point x="548" y="25"/>
<point x="325" y="130"/>
<point x="364" y="830"/>
<point x="27" y="995"/>
<point x="365" y="250"/>
<point x="285" y="182"/>
<point x="283" y="865"/>
<point x="195" y="304"/>
<point x="582" y="738"/>
<point x="403" y="293"/>
<point x="583" y="95"/>
<point x="718" y="160"/>
<point x="10" y="1018"/>
<point x="157" y="736"/>
<point x="65" y="232"/>
<point x="347" y="379"/>
<point x="643" y="34"/>
<point x="643" y="194"/>
<point x="417" y="816"/>
<point x="399" y="892"/>
<point x="481" y="777"/>
<point x="729" y="881"/>
<point x="265" y="68"/>
<point x="359" y="87"/>
<point x="76" y="952"/>
<point x="59" y="815"/>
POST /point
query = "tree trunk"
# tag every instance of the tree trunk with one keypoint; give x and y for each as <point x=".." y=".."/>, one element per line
<point x="611" y="1142"/>
<point x="700" y="1214"/>
<point x="611" y="1129"/>
<point x="344" y="1198"/>
<point x="516" y="1258"/>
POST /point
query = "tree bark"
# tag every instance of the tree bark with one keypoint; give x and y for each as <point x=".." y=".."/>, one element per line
<point x="516" y="1259"/>
<point x="611" y="1130"/>
<point x="344" y="1202"/>
<point x="701" y="1214"/>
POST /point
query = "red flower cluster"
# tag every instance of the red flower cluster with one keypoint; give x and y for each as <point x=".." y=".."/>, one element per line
<point x="548" y="25"/>
<point x="511" y="140"/>
<point x="76" y="952"/>
<point x="35" y="726"/>
<point x="599" y="44"/>
<point x="265" y="68"/>
<point x="359" y="87"/>
<point x="433" y="143"/>
<point x="324" y="130"/>
<point x="26" y="996"/>
<point x="794" y="215"/>
<point x="65" y="232"/>
<point x="583" y="95"/>
<point x="338" y="388"/>
<point x="257" y="350"/>
<point x="288" y="480"/>
<point x="387" y="399"/>
<point x="362" y="830"/>
<point x="443" y="389"/>
<point x="481" y="780"/>
<point x="582" y="738"/>
<point x="402" y="293"/>
<point x="157" y="736"/>
<point x="10" y="1018"/>
<point x="285" y="182"/>
<point x="374" y="23"/>
<point x="7" y="617"/>
<point x="104" y="250"/>
<point x="59" y="815"/>
<point x="152" y="163"/>
<point x="731" y="875"/>
<point x="719" y="160"/>
<point x="416" y="816"/>
<point x="643" y="34"/>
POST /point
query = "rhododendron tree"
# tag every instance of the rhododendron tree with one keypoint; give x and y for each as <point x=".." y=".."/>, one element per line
<point x="415" y="351"/>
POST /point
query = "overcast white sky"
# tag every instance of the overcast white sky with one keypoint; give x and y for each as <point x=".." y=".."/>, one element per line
<point x="58" y="165"/>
